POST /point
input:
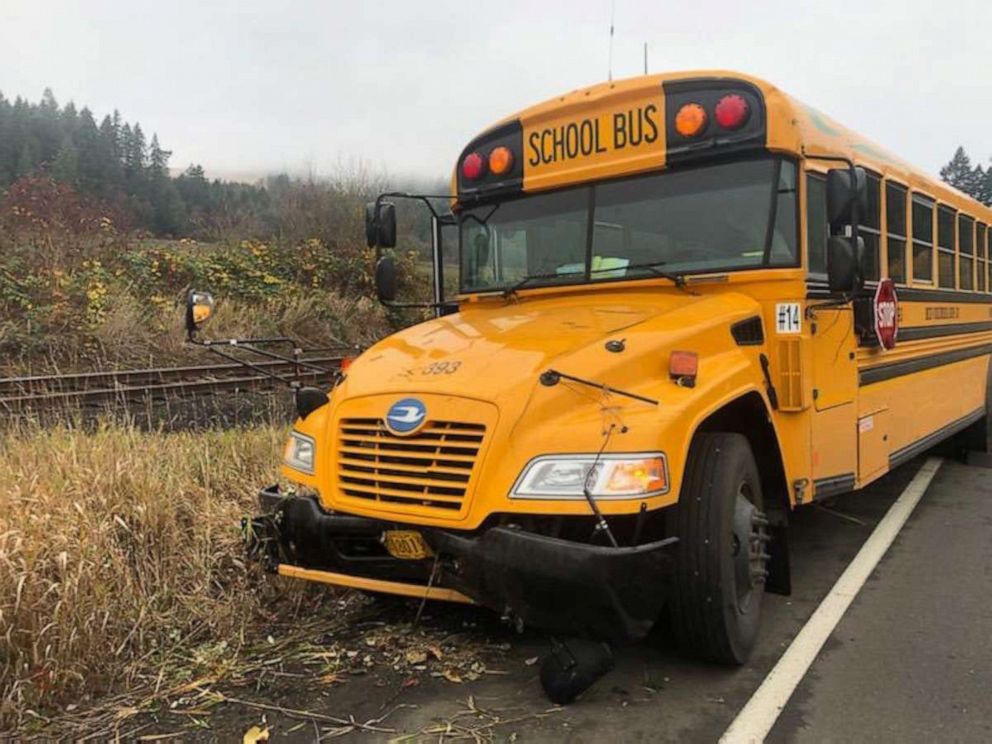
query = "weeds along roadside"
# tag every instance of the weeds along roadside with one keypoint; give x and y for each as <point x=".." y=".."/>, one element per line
<point x="119" y="542"/>
<point x="116" y="546"/>
<point x="78" y="290"/>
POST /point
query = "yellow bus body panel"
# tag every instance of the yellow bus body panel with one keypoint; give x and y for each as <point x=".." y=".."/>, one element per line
<point x="846" y="413"/>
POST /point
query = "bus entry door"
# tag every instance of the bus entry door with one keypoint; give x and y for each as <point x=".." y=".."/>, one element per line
<point x="835" y="384"/>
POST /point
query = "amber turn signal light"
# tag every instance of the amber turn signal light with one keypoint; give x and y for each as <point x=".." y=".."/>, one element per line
<point x="690" y="121"/>
<point x="643" y="476"/>
<point x="500" y="160"/>
<point x="683" y="366"/>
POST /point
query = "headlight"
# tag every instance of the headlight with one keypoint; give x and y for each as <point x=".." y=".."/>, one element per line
<point x="299" y="453"/>
<point x="608" y="477"/>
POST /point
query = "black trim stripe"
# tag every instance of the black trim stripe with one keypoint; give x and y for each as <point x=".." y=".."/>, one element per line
<point x="914" y="333"/>
<point x="817" y="291"/>
<point x="908" y="366"/>
<point x="909" y="294"/>
<point x="832" y="485"/>
<point x="910" y="451"/>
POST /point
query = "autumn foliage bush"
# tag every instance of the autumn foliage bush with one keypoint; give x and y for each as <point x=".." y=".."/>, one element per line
<point x="120" y="546"/>
<point x="79" y="290"/>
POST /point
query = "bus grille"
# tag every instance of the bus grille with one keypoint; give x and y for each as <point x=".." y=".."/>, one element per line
<point x="431" y="468"/>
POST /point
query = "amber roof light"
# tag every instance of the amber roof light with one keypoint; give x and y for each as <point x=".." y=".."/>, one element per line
<point x="500" y="160"/>
<point x="690" y="121"/>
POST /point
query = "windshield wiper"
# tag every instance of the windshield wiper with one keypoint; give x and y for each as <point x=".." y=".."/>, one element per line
<point x="551" y="377"/>
<point x="677" y="278"/>
<point x="508" y="292"/>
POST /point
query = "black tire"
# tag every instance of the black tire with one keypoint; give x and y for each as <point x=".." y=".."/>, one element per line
<point x="720" y="569"/>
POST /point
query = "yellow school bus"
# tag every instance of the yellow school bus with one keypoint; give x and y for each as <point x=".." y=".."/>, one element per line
<point x="688" y="304"/>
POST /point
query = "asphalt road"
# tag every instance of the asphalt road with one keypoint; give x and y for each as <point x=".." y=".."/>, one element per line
<point x="912" y="658"/>
<point x="909" y="662"/>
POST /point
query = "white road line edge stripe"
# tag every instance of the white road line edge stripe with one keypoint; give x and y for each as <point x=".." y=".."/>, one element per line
<point x="760" y="713"/>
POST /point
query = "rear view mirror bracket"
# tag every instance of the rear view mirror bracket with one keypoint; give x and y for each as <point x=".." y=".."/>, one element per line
<point x="380" y="232"/>
<point x="380" y="216"/>
<point x="199" y="307"/>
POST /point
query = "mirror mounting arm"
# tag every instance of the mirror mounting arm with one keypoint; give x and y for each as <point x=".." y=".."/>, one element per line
<point x="425" y="198"/>
<point x="843" y="302"/>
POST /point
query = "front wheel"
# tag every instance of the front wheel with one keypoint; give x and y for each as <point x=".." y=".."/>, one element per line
<point x="720" y="558"/>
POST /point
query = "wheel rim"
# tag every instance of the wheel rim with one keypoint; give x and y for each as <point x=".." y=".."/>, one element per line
<point x="750" y="535"/>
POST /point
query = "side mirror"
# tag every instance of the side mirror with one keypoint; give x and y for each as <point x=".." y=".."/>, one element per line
<point x="385" y="279"/>
<point x="199" y="308"/>
<point x="380" y="225"/>
<point x="842" y="195"/>
<point x="844" y="265"/>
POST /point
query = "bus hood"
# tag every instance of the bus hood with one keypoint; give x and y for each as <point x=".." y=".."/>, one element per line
<point x="495" y="351"/>
<point x="473" y="381"/>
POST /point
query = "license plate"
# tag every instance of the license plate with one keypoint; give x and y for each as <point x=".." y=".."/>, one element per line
<point x="406" y="544"/>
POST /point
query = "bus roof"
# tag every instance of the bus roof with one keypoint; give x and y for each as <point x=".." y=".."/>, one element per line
<point x="587" y="123"/>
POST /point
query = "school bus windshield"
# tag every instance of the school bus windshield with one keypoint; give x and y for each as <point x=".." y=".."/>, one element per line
<point x="723" y="217"/>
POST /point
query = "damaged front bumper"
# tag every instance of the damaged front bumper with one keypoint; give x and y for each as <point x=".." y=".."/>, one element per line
<point x="557" y="585"/>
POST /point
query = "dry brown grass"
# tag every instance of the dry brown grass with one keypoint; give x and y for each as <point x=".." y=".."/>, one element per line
<point x="133" y="334"/>
<point x="116" y="545"/>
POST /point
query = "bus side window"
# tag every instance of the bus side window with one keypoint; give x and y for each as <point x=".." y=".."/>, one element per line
<point x="870" y="228"/>
<point x="945" y="247"/>
<point x="981" y="248"/>
<point x="966" y="245"/>
<point x="922" y="238"/>
<point x="816" y="223"/>
<point x="895" y="231"/>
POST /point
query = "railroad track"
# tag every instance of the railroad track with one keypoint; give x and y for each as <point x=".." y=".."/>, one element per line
<point x="158" y="382"/>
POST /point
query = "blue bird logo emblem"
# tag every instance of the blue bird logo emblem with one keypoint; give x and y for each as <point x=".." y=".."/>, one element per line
<point x="406" y="416"/>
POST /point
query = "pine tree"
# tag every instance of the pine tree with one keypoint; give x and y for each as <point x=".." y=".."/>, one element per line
<point x="110" y="129"/>
<point x="158" y="159"/>
<point x="137" y="154"/>
<point x="65" y="167"/>
<point x="980" y="178"/>
<point x="109" y="168"/>
<point x="194" y="189"/>
<point x="6" y="141"/>
<point x="48" y="102"/>
<point x="959" y="172"/>
<point x="27" y="160"/>
<point x="114" y="163"/>
<point x="88" y="144"/>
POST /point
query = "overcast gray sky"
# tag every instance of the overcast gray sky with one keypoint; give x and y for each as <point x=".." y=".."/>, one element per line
<point x="246" y="86"/>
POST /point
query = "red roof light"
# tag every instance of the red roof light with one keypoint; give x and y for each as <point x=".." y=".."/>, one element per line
<point x="732" y="112"/>
<point x="473" y="166"/>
